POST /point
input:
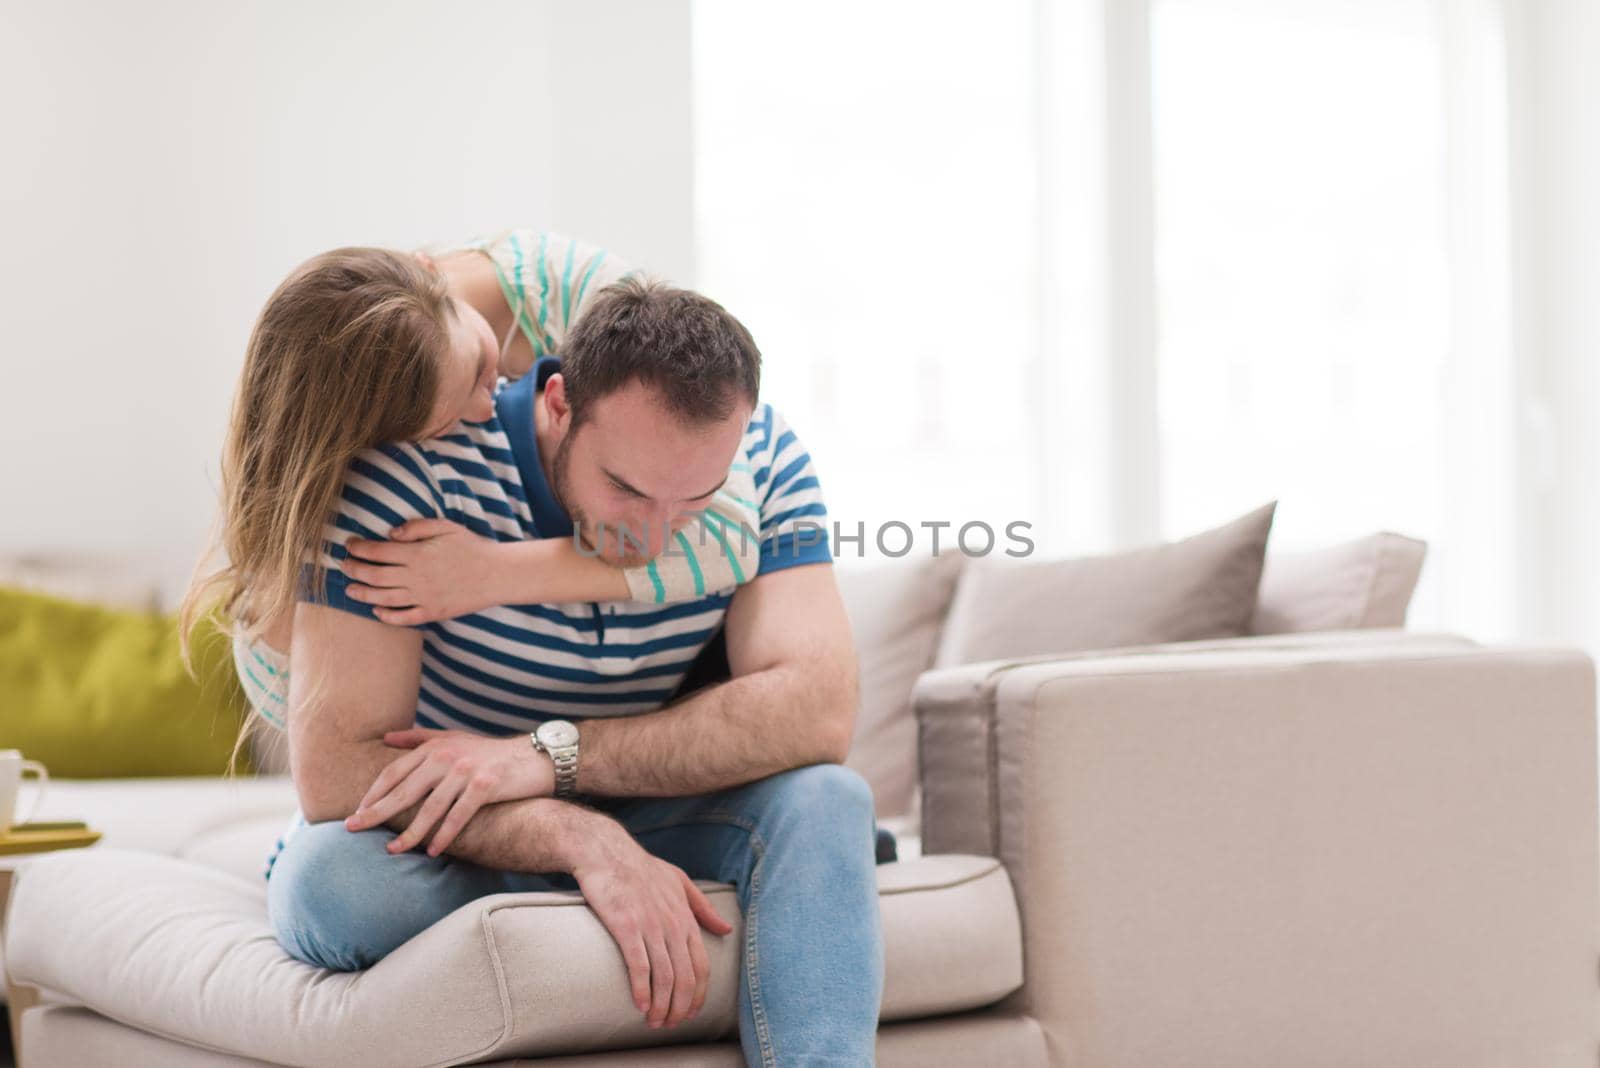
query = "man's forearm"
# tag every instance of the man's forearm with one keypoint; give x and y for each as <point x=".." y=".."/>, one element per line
<point x="724" y="735"/>
<point x="536" y="834"/>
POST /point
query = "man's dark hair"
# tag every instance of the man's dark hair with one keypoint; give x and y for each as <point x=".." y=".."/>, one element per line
<point x="701" y="359"/>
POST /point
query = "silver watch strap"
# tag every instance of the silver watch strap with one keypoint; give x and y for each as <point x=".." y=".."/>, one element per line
<point x="566" y="761"/>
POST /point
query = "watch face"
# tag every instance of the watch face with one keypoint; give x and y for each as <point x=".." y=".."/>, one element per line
<point x="557" y="734"/>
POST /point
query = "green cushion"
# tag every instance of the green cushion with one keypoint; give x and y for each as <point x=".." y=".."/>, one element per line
<point x="97" y="692"/>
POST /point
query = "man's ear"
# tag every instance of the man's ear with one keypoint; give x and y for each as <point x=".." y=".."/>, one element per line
<point x="555" y="396"/>
<point x="426" y="260"/>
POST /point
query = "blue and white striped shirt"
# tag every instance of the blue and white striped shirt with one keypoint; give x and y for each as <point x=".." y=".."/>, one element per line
<point x="504" y="670"/>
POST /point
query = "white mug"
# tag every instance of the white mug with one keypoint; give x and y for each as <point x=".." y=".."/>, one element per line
<point x="12" y="768"/>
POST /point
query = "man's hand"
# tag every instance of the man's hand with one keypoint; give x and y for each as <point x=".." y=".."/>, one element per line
<point x="430" y="569"/>
<point x="654" y="912"/>
<point x="458" y="772"/>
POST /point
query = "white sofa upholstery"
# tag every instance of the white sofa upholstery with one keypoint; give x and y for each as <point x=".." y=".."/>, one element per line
<point x="1372" y="847"/>
<point x="1379" y="851"/>
<point x="185" y="952"/>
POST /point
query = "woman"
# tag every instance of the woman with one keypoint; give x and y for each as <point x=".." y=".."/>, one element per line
<point x="361" y="347"/>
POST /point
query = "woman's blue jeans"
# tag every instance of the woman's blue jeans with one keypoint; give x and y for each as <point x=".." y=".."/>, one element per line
<point x="798" y="847"/>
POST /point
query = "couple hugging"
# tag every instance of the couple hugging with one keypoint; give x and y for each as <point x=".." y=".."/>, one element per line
<point x="423" y="453"/>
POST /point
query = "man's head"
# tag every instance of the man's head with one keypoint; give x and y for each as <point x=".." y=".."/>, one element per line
<point x="656" y="387"/>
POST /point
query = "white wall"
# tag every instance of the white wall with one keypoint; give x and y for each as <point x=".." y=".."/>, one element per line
<point x="167" y="163"/>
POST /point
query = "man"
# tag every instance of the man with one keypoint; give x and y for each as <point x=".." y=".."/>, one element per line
<point x="634" y="427"/>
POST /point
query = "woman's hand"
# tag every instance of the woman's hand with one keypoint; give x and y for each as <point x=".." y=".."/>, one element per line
<point x="430" y="569"/>
<point x="458" y="772"/>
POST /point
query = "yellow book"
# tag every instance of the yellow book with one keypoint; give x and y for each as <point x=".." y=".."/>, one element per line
<point x="37" y="838"/>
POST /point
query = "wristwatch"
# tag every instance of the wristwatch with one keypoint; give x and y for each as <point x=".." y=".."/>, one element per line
<point x="559" y="738"/>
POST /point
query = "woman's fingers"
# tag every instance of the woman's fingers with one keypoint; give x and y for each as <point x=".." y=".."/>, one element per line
<point x="417" y="529"/>
<point x="391" y="597"/>
<point x="405" y="617"/>
<point x="382" y="576"/>
<point x="382" y="552"/>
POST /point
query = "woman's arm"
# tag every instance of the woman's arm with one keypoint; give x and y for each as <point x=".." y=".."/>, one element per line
<point x="551" y="570"/>
<point x="432" y="569"/>
<point x="531" y="285"/>
<point x="721" y="548"/>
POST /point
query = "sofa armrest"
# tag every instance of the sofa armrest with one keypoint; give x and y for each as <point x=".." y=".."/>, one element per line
<point x="1277" y="850"/>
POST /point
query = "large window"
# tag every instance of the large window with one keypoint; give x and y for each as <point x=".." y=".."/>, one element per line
<point x="1153" y="260"/>
<point x="1326" y="235"/>
<point x="865" y="202"/>
<point x="1302" y="282"/>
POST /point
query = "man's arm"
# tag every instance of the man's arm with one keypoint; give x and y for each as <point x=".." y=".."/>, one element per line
<point x="791" y="701"/>
<point x="353" y="679"/>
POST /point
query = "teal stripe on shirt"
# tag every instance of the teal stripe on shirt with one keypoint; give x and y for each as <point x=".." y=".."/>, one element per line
<point x="566" y="287"/>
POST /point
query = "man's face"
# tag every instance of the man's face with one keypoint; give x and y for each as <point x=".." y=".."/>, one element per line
<point x="634" y="466"/>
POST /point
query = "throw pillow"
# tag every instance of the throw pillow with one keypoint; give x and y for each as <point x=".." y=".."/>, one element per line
<point x="896" y="610"/>
<point x="1201" y="587"/>
<point x="1367" y="582"/>
<point x="98" y="692"/>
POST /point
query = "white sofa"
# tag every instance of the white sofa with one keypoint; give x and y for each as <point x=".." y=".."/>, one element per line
<point x="1361" y="846"/>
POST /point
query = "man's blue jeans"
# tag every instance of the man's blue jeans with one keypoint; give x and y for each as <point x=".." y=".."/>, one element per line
<point x="798" y="846"/>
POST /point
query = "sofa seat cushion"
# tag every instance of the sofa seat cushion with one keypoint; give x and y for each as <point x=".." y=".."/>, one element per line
<point x="229" y="824"/>
<point x="169" y="815"/>
<point x="226" y="823"/>
<point x="184" y="950"/>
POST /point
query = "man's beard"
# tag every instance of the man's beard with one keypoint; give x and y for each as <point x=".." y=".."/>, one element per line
<point x="585" y="531"/>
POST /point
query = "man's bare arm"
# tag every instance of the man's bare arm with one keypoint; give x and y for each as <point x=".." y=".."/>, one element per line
<point x="791" y="701"/>
<point x="353" y="680"/>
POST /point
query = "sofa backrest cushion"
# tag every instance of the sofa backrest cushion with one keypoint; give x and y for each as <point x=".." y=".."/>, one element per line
<point x="1203" y="586"/>
<point x="896" y="610"/>
<point x="96" y="578"/>
<point x="1367" y="582"/>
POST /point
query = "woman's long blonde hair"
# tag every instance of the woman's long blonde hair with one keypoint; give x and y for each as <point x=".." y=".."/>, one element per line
<point x="345" y="356"/>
